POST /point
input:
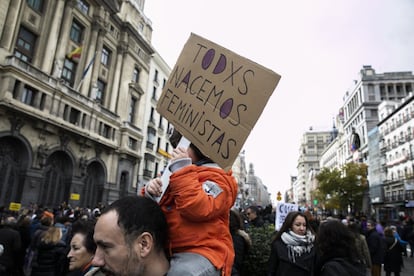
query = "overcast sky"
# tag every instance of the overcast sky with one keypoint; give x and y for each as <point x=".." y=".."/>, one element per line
<point x="317" y="46"/>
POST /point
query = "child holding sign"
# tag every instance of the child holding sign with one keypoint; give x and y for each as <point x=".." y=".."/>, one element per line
<point x="197" y="204"/>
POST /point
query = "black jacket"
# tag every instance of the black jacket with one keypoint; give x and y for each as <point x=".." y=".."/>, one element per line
<point x="393" y="259"/>
<point x="342" y="267"/>
<point x="10" y="239"/>
<point x="376" y="246"/>
<point x="241" y="248"/>
<point x="50" y="259"/>
<point x="280" y="265"/>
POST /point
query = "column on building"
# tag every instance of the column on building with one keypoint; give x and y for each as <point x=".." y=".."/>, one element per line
<point x="53" y="36"/>
<point x="95" y="43"/>
<point x="121" y="50"/>
<point x="11" y="20"/>
<point x="122" y="90"/>
<point x="7" y="84"/>
<point x="63" y="40"/>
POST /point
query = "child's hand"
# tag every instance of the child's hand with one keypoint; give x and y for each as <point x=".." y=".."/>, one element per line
<point x="154" y="187"/>
<point x="179" y="153"/>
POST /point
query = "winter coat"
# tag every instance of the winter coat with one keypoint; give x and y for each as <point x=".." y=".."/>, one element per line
<point x="376" y="246"/>
<point x="342" y="267"/>
<point x="241" y="244"/>
<point x="11" y="243"/>
<point x="363" y="250"/>
<point x="281" y="265"/>
<point x="393" y="260"/>
<point x="196" y="206"/>
<point x="50" y="259"/>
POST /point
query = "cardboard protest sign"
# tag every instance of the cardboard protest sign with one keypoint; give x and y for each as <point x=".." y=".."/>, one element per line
<point x="282" y="210"/>
<point x="214" y="97"/>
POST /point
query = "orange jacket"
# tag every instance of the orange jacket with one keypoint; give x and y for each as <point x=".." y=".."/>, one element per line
<point x="197" y="206"/>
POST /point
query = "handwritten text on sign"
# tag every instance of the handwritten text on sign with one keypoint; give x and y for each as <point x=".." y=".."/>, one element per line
<point x="214" y="98"/>
<point x="282" y="210"/>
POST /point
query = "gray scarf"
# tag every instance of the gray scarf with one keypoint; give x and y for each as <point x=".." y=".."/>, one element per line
<point x="297" y="244"/>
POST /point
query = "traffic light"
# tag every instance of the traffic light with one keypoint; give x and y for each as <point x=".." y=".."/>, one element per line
<point x="279" y="196"/>
<point x="315" y="202"/>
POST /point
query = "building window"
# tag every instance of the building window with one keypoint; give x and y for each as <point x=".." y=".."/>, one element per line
<point x="158" y="143"/>
<point x="28" y="95"/>
<point x="83" y="6"/>
<point x="135" y="75"/>
<point x="151" y="138"/>
<point x="106" y="131"/>
<point x="148" y="165"/>
<point x="105" y="57"/>
<point x="36" y="5"/>
<point x="151" y="135"/>
<point x="69" y="72"/>
<point x="154" y="93"/>
<point x="131" y="112"/>
<point x="25" y="45"/>
<point x="100" y="91"/>
<point x="132" y="143"/>
<point x="76" y="32"/>
<point x="151" y="119"/>
<point x="74" y="116"/>
<point x="160" y="125"/>
<point x="156" y="76"/>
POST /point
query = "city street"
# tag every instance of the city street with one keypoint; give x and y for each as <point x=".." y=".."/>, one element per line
<point x="408" y="269"/>
<point x="408" y="266"/>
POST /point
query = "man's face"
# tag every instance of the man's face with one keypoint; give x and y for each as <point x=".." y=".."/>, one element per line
<point x="113" y="254"/>
<point x="251" y="215"/>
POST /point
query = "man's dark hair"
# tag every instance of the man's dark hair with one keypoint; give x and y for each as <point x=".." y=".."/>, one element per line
<point x="255" y="209"/>
<point x="137" y="214"/>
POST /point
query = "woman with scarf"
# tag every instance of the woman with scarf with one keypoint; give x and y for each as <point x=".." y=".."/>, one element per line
<point x="292" y="251"/>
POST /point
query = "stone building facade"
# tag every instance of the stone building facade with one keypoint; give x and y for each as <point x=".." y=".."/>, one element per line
<point x="73" y="80"/>
<point x="396" y="147"/>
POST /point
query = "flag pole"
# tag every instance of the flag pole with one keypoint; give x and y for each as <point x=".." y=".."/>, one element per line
<point x="86" y="71"/>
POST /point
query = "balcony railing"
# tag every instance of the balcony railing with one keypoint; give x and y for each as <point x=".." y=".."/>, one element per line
<point x="408" y="195"/>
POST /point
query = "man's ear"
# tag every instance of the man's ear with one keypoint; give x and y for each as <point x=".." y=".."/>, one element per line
<point x="144" y="244"/>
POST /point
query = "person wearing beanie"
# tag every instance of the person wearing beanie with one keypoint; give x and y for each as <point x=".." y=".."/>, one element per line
<point x="197" y="205"/>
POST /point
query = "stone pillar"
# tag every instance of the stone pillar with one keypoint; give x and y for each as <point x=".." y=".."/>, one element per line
<point x="62" y="48"/>
<point x="19" y="91"/>
<point x="53" y="36"/>
<point x="117" y="77"/>
<point x="11" y="20"/>
<point x="93" y="46"/>
<point x="6" y="87"/>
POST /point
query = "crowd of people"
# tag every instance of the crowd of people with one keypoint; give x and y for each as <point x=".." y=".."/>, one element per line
<point x="193" y="230"/>
<point x="131" y="237"/>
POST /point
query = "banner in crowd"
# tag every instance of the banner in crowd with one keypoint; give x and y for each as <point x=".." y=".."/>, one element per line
<point x="282" y="210"/>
